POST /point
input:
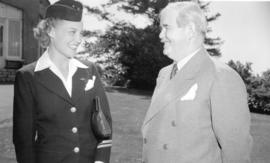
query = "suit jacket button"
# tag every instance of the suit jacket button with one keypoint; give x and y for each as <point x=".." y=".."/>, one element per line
<point x="74" y="130"/>
<point x="144" y="140"/>
<point x="173" y="123"/>
<point x="165" y="146"/>
<point x="76" y="149"/>
<point x="73" y="109"/>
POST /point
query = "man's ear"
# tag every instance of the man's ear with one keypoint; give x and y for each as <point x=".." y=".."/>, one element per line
<point x="191" y="30"/>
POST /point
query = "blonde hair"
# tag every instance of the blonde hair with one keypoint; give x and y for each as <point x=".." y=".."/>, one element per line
<point x="188" y="12"/>
<point x="41" y="31"/>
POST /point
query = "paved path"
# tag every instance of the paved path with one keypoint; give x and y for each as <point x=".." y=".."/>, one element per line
<point x="6" y="148"/>
<point x="6" y="98"/>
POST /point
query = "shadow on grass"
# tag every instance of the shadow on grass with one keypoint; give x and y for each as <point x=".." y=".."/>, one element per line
<point x="145" y="94"/>
<point x="265" y="112"/>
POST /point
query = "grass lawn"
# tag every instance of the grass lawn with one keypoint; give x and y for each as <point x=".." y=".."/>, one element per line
<point x="128" y="109"/>
<point x="260" y="130"/>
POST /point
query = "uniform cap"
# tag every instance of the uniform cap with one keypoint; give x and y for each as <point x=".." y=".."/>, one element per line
<point x="65" y="9"/>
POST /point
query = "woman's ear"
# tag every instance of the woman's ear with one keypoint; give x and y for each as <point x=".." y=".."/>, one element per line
<point x="51" y="33"/>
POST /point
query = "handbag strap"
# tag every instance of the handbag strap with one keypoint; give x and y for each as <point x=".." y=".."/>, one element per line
<point x="97" y="104"/>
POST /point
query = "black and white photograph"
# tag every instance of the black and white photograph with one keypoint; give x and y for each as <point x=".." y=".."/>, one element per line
<point x="134" y="81"/>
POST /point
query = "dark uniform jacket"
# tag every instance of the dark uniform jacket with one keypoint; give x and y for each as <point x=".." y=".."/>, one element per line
<point x="52" y="127"/>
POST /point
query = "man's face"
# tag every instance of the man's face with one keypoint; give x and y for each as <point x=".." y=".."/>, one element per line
<point x="66" y="37"/>
<point x="175" y="38"/>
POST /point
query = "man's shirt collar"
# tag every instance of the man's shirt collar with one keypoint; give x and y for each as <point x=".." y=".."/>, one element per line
<point x="181" y="63"/>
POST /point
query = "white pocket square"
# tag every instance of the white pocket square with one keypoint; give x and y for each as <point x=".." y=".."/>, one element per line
<point x="191" y="93"/>
<point x="90" y="83"/>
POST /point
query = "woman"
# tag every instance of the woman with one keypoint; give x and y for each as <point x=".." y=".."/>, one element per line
<point x="53" y="97"/>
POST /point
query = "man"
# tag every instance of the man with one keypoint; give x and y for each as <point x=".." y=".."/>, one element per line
<point x="199" y="111"/>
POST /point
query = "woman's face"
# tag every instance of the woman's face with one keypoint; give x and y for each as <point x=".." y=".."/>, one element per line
<point x="66" y="37"/>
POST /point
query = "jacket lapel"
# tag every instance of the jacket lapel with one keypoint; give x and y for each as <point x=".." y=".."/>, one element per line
<point x="79" y="81"/>
<point x="51" y="82"/>
<point x="170" y="90"/>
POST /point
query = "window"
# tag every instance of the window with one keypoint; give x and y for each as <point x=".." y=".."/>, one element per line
<point x="14" y="39"/>
<point x="1" y="40"/>
<point x="10" y="33"/>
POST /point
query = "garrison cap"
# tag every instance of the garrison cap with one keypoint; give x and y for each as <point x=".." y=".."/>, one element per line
<point x="65" y="9"/>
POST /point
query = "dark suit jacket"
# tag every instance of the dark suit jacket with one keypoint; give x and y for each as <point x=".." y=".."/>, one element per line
<point x="45" y="116"/>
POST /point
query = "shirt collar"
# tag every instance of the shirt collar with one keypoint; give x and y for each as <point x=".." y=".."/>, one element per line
<point x="182" y="62"/>
<point x="76" y="63"/>
<point x="45" y="62"/>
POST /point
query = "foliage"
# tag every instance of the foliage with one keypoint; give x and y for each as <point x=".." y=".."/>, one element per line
<point x="258" y="87"/>
<point x="136" y="58"/>
<point x="141" y="53"/>
<point x="133" y="56"/>
<point x="152" y="8"/>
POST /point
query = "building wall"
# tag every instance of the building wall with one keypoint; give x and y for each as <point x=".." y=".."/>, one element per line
<point x="33" y="11"/>
<point x="31" y="15"/>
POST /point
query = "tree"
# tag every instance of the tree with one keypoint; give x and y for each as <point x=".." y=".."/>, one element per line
<point x="133" y="55"/>
<point x="261" y="93"/>
<point x="152" y="8"/>
<point x="245" y="71"/>
<point x="258" y="87"/>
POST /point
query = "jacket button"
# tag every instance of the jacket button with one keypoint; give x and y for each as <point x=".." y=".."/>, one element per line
<point x="76" y="149"/>
<point x="144" y="140"/>
<point x="165" y="146"/>
<point x="74" y="130"/>
<point x="173" y="123"/>
<point x="73" y="109"/>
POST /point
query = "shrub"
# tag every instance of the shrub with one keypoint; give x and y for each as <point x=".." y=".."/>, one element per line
<point x="258" y="87"/>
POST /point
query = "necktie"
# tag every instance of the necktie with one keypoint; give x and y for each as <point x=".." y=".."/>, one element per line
<point x="174" y="71"/>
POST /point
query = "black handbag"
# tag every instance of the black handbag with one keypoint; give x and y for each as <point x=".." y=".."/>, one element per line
<point x="100" y="124"/>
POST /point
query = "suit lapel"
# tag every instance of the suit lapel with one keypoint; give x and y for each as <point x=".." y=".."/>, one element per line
<point x="170" y="90"/>
<point x="51" y="82"/>
<point x="79" y="81"/>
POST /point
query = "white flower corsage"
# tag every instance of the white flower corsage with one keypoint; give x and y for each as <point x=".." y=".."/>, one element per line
<point x="90" y="83"/>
